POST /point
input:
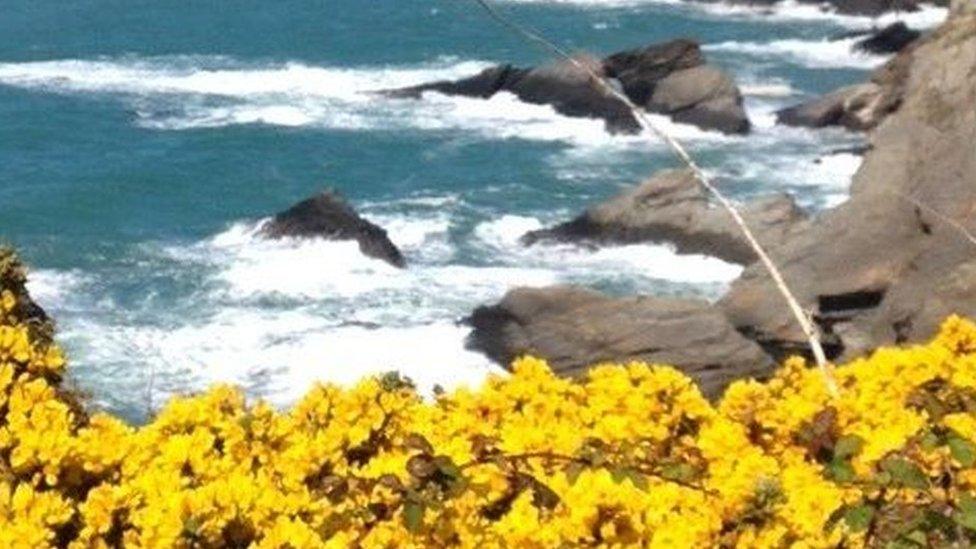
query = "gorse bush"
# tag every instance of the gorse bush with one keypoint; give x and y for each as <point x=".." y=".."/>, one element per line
<point x="630" y="455"/>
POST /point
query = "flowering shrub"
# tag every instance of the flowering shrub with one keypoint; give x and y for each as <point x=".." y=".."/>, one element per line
<point x="630" y="455"/>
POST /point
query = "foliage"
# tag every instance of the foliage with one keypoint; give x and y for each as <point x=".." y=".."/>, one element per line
<point x="630" y="455"/>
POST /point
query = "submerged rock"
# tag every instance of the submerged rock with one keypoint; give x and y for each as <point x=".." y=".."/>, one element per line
<point x="672" y="207"/>
<point x="573" y="328"/>
<point x="326" y="215"/>
<point x="669" y="78"/>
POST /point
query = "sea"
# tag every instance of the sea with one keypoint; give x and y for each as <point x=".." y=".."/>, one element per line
<point x="142" y="142"/>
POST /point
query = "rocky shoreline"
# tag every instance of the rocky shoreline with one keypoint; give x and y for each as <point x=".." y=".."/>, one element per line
<point x="883" y="268"/>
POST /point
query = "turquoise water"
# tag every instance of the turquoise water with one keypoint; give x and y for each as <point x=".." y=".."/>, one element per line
<point x="142" y="141"/>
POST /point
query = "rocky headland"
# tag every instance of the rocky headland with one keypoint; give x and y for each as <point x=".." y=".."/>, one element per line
<point x="883" y="268"/>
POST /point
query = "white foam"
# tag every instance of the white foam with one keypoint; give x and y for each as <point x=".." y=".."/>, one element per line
<point x="279" y="354"/>
<point x="274" y="316"/>
<point x="649" y="261"/>
<point x="53" y="288"/>
<point x="815" y="54"/>
<point x="789" y="10"/>
<point x="177" y="75"/>
<point x="768" y="89"/>
<point x="506" y="231"/>
<point x="255" y="266"/>
<point x="183" y="94"/>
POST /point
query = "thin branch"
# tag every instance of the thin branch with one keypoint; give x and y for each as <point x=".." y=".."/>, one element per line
<point x="601" y="82"/>
<point x="551" y="456"/>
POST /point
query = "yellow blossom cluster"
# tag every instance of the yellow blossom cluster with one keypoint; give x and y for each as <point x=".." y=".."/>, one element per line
<point x="630" y="455"/>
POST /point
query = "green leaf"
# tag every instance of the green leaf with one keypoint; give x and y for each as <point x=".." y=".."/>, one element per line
<point x="967" y="502"/>
<point x="639" y="480"/>
<point x="919" y="537"/>
<point x="858" y="517"/>
<point x="448" y="468"/>
<point x="905" y="473"/>
<point x="848" y="446"/>
<point x="678" y="472"/>
<point x="841" y="471"/>
<point x="965" y="514"/>
<point x="929" y="441"/>
<point x="413" y="516"/>
<point x="962" y="450"/>
<point x="618" y="474"/>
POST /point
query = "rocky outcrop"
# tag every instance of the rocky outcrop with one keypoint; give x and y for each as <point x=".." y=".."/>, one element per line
<point x="886" y="266"/>
<point x="859" y="107"/>
<point x="574" y="328"/>
<point x="672" y="207"/>
<point x="702" y="96"/>
<point x="326" y="215"/>
<point x="670" y="78"/>
<point x="891" y="39"/>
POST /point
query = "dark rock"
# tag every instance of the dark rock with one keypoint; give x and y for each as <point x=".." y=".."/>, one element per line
<point x="571" y="92"/>
<point x="574" y="328"/>
<point x="891" y="39"/>
<point x="669" y="78"/>
<point x="872" y="7"/>
<point x="639" y="70"/>
<point x="847" y="7"/>
<point x="881" y="269"/>
<point x="484" y="84"/>
<point x="326" y="215"/>
<point x="672" y="207"/>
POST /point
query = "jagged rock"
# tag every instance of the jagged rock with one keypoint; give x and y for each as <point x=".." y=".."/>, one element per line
<point x="484" y="84"/>
<point x="891" y="39"/>
<point x="327" y="215"/>
<point x="856" y="107"/>
<point x="690" y="91"/>
<point x="672" y="207"/>
<point x="570" y="92"/>
<point x="574" y="328"/>
<point x="639" y="70"/>
<point x="880" y="269"/>
<point x="872" y="7"/>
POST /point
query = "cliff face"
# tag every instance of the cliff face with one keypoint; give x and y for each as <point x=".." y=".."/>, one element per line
<point x="886" y="265"/>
